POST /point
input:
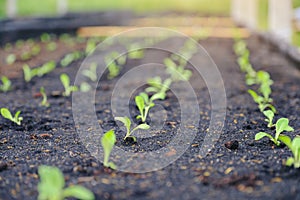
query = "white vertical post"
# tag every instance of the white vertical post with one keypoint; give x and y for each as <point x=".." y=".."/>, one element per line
<point x="236" y="10"/>
<point x="252" y="14"/>
<point x="62" y="7"/>
<point x="11" y="8"/>
<point x="280" y="18"/>
<point x="245" y="12"/>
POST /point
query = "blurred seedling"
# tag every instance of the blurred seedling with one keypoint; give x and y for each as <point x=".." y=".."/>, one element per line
<point x="52" y="186"/>
<point x="6" y="84"/>
<point x="108" y="141"/>
<point x="65" y="80"/>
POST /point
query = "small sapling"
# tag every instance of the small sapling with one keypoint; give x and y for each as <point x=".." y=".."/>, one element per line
<point x="7" y="114"/>
<point x="65" y="80"/>
<point x="281" y="125"/>
<point x="127" y="123"/>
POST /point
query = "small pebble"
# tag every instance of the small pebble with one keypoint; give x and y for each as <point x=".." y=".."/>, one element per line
<point x="232" y="145"/>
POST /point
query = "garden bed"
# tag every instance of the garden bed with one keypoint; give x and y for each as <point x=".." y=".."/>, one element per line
<point x="247" y="169"/>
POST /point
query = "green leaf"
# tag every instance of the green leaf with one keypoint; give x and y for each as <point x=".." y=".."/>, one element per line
<point x="270" y="115"/>
<point x="139" y="101"/>
<point x="160" y="95"/>
<point x="261" y="135"/>
<point x="282" y="124"/>
<point x="286" y="140"/>
<point x="290" y="161"/>
<point x="65" y="80"/>
<point x="142" y="126"/>
<point x="51" y="183"/>
<point x="169" y="63"/>
<point x="145" y="97"/>
<point x="108" y="141"/>
<point x="126" y="121"/>
<point x="6" y="114"/>
<point x="78" y="192"/>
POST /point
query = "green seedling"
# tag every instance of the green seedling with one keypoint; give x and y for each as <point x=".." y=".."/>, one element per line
<point x="144" y="104"/>
<point x="45" y="99"/>
<point x="157" y="85"/>
<point x="11" y="59"/>
<point x="52" y="186"/>
<point x="7" y="114"/>
<point x="71" y="57"/>
<point x="265" y="82"/>
<point x="178" y="73"/>
<point x="26" y="56"/>
<point x="127" y="123"/>
<point x="6" y="84"/>
<point x="240" y="47"/>
<point x="45" y="37"/>
<point x="65" y="80"/>
<point x="281" y="125"/>
<point x="261" y="101"/>
<point x="269" y="117"/>
<point x="85" y="87"/>
<point x="91" y="73"/>
<point x="51" y="46"/>
<point x="108" y="141"/>
<point x="114" y="62"/>
<point x="29" y="73"/>
<point x="113" y="70"/>
<point x="294" y="146"/>
<point x="90" y="46"/>
<point x="35" y="50"/>
<point x="38" y="71"/>
<point x="8" y="47"/>
<point x="46" y="68"/>
<point x="135" y="51"/>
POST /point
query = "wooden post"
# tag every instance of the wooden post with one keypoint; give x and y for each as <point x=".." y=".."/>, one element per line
<point x="280" y="18"/>
<point x="236" y="10"/>
<point x="62" y="7"/>
<point x="11" y="8"/>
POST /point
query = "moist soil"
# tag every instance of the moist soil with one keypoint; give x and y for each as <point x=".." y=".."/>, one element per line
<point x="237" y="167"/>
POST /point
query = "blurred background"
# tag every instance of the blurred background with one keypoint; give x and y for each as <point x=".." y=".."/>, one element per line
<point x="220" y="8"/>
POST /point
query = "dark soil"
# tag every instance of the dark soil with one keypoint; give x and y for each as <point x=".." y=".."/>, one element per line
<point x="236" y="168"/>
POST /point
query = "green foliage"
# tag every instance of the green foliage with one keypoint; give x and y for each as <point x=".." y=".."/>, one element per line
<point x="144" y="103"/>
<point x="7" y="114"/>
<point x="6" y="84"/>
<point x="11" y="59"/>
<point x="51" y="46"/>
<point x="135" y="51"/>
<point x="85" y="87"/>
<point x="71" y="57"/>
<point x="65" y="80"/>
<point x="157" y="85"/>
<point x="240" y="47"/>
<point x="44" y="101"/>
<point x="91" y="73"/>
<point x="127" y="123"/>
<point x="294" y="146"/>
<point x="108" y="141"/>
<point x="281" y="125"/>
<point x="45" y="37"/>
<point x="52" y="183"/>
<point x="261" y="101"/>
<point x="178" y="73"/>
<point x="38" y="71"/>
<point x="46" y="68"/>
<point x="114" y="61"/>
<point x="269" y="117"/>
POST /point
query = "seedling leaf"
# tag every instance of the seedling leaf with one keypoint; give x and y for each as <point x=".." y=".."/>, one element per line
<point x="108" y="141"/>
